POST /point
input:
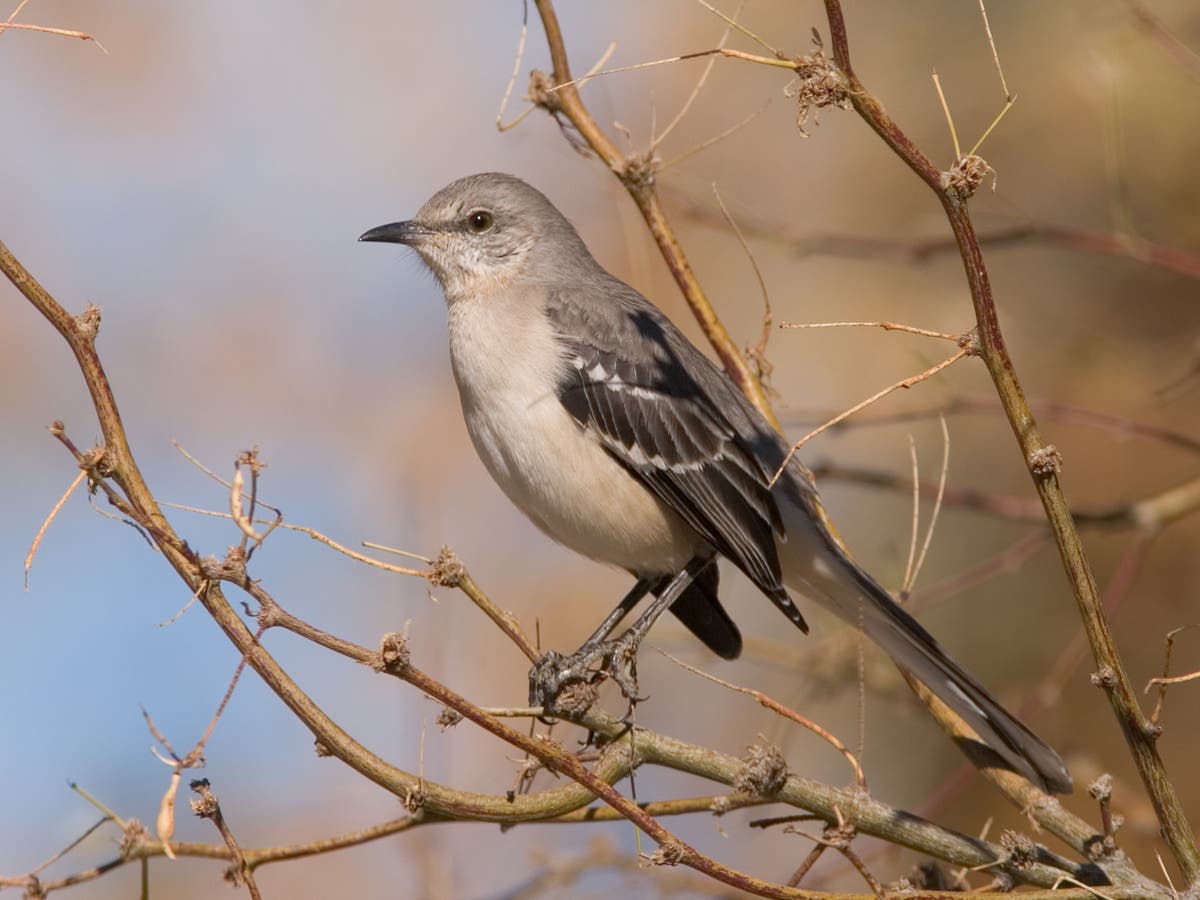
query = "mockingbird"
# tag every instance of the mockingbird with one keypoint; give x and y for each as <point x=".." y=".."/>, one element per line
<point x="619" y="439"/>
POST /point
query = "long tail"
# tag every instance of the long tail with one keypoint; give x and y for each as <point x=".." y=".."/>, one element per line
<point x="815" y="565"/>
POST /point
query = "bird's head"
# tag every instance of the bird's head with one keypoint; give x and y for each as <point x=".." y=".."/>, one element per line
<point x="485" y="232"/>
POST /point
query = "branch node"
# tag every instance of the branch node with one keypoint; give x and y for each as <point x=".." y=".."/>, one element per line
<point x="542" y="93"/>
<point x="97" y="464"/>
<point x="574" y="699"/>
<point x="764" y="771"/>
<point x="669" y="853"/>
<point x="393" y="654"/>
<point x="205" y="805"/>
<point x="1102" y="845"/>
<point x="414" y="798"/>
<point x="133" y="838"/>
<point x="447" y="570"/>
<point x="448" y="718"/>
<point x="964" y="177"/>
<point x="638" y="172"/>
<point x="1045" y="461"/>
<point x="87" y="323"/>
<point x="1105" y="678"/>
<point x="322" y="748"/>
<point x="1101" y="789"/>
<point x="818" y="84"/>
<point x="1022" y="850"/>
<point x="839" y="835"/>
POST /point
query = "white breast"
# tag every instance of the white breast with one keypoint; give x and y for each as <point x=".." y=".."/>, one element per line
<point x="507" y="363"/>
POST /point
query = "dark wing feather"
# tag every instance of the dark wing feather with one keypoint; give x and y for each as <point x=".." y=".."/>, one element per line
<point x="657" y="414"/>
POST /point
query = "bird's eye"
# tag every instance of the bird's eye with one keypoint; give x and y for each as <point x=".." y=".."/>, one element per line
<point x="479" y="221"/>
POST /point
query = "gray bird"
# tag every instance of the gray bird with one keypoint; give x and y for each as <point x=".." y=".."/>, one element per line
<point x="621" y="440"/>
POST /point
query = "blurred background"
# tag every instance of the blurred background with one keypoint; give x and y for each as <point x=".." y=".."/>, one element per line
<point x="204" y="180"/>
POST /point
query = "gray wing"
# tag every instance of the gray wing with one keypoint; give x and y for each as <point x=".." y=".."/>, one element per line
<point x="666" y="413"/>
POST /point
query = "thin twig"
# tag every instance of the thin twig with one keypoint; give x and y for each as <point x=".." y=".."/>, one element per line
<point x="71" y="846"/>
<point x="228" y="485"/>
<point x="715" y="139"/>
<point x="995" y="56"/>
<point x="937" y="506"/>
<point x="733" y="23"/>
<point x="1165" y="679"/>
<point x="16" y="12"/>
<point x="1008" y="104"/>
<point x="937" y="83"/>
<point x="904" y="383"/>
<point x="656" y="141"/>
<point x="41" y="533"/>
<point x="316" y="536"/>
<point x="500" y="126"/>
<point x="886" y="326"/>
<point x="759" y="352"/>
<point x="1173" y="679"/>
<point x="778" y="708"/>
<point x="207" y="807"/>
<point x="46" y="29"/>
<point x="916" y="518"/>
<point x="1119" y="427"/>
<point x="1119" y="244"/>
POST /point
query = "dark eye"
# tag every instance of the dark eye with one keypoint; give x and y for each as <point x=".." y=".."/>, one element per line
<point x="479" y="221"/>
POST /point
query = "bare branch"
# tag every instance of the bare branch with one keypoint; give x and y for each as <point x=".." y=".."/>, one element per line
<point x="1139" y="734"/>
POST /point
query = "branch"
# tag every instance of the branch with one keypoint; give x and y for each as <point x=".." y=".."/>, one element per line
<point x="1151" y="513"/>
<point x="1042" y="459"/>
<point x="559" y="96"/>
<point x="917" y="250"/>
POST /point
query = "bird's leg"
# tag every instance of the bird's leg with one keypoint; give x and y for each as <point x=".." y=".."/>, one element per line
<point x="553" y="671"/>
<point x="628" y="602"/>
<point x="599" y="655"/>
<point x="621" y="658"/>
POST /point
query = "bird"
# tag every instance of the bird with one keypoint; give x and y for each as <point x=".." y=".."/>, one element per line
<point x="619" y="439"/>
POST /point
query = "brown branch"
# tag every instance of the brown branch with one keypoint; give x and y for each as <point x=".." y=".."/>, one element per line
<point x="1150" y="513"/>
<point x="115" y="462"/>
<point x="918" y="250"/>
<point x="138" y="502"/>
<point x="559" y="96"/>
<point x="1041" y="458"/>
<point x="968" y="349"/>
<point x="1050" y="409"/>
<point x="448" y="570"/>
<point x="37" y="540"/>
<point x="436" y="801"/>
<point x="868" y="816"/>
<point x="952" y="188"/>
<point x="46" y="29"/>
<point x="207" y="807"/>
<point x="779" y="709"/>
<point x="1165" y="679"/>
<point x="719" y="804"/>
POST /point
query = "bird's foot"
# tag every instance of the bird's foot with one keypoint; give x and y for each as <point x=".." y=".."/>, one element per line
<point x="566" y="686"/>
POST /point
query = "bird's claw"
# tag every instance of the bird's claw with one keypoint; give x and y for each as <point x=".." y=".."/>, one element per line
<point x="566" y="686"/>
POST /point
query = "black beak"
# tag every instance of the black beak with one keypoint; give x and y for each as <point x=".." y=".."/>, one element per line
<point x="397" y="233"/>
